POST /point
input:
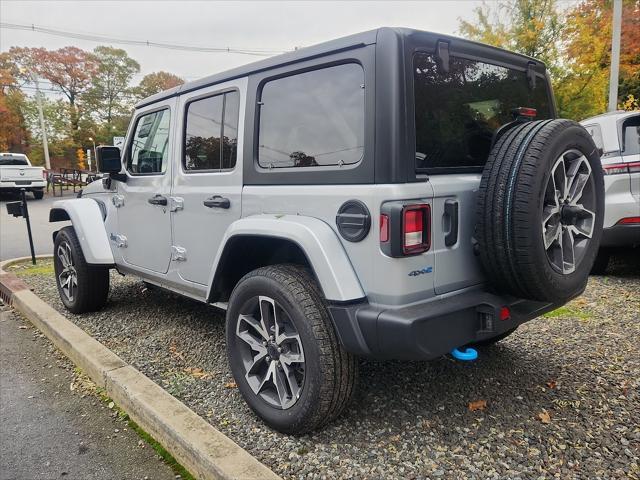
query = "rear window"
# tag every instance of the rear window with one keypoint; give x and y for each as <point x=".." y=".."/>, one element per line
<point x="313" y="119"/>
<point x="457" y="112"/>
<point x="13" y="160"/>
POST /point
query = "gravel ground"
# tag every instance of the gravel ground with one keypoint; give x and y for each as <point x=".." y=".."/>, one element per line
<point x="560" y="398"/>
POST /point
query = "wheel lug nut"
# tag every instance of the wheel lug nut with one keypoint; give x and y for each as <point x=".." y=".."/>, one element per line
<point x="279" y="349"/>
<point x="268" y="358"/>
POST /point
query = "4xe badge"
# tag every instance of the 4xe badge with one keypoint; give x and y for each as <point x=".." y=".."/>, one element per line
<point x="415" y="273"/>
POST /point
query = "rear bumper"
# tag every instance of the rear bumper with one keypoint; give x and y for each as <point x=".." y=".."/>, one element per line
<point x="621" y="236"/>
<point x="26" y="184"/>
<point x="431" y="329"/>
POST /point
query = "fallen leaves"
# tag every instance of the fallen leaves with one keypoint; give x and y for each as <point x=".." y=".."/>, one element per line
<point x="477" y="405"/>
<point x="552" y="384"/>
<point x="196" y="372"/>
<point x="230" y="385"/>
<point x="175" y="352"/>
<point x="544" y="416"/>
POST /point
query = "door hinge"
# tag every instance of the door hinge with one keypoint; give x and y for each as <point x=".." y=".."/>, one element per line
<point x="177" y="203"/>
<point x="178" y="254"/>
<point x="119" y="240"/>
<point x="117" y="200"/>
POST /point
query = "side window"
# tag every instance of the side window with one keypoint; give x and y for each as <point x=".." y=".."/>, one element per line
<point x="211" y="133"/>
<point x="313" y="119"/>
<point x="148" y="152"/>
<point x="596" y="134"/>
<point x="631" y="136"/>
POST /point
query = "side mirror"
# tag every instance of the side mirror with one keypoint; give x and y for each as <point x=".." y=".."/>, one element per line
<point x="108" y="159"/>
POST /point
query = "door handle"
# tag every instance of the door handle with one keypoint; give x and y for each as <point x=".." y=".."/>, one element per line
<point x="158" y="200"/>
<point x="451" y="211"/>
<point x="217" y="202"/>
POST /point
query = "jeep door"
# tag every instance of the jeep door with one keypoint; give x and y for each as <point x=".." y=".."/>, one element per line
<point x="208" y="177"/>
<point x="144" y="225"/>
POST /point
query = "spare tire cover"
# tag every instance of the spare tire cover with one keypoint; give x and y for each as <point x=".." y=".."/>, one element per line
<point x="540" y="210"/>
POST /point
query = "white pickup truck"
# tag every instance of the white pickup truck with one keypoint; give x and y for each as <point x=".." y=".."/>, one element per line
<point x="16" y="172"/>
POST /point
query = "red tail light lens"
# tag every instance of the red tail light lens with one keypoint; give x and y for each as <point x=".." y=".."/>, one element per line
<point x="615" y="168"/>
<point x="634" y="167"/>
<point x="505" y="313"/>
<point x="384" y="228"/>
<point x="629" y="221"/>
<point x="415" y="229"/>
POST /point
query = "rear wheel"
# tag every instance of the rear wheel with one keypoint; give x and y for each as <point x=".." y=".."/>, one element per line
<point x="283" y="351"/>
<point x="82" y="287"/>
<point x="38" y="194"/>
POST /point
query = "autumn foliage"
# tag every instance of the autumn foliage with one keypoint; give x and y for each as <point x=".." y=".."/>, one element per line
<point x="575" y="43"/>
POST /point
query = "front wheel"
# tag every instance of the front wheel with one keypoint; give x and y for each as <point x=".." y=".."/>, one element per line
<point x="283" y="351"/>
<point x="82" y="287"/>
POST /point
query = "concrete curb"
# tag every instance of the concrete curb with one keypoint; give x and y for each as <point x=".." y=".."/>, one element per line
<point x="200" y="448"/>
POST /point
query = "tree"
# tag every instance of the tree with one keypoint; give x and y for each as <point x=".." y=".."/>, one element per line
<point x="14" y="136"/>
<point x="110" y="94"/>
<point x="575" y="44"/>
<point x="157" y="82"/>
<point x="68" y="69"/>
<point x="530" y="27"/>
<point x="582" y="90"/>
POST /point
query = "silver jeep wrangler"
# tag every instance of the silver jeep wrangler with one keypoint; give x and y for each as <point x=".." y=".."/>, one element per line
<point x="394" y="194"/>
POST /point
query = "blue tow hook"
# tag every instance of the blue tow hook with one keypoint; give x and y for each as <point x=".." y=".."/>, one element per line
<point x="468" y="355"/>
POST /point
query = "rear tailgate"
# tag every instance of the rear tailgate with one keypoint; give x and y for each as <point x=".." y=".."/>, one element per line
<point x="19" y="173"/>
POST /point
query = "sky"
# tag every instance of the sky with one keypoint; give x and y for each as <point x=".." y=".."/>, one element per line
<point x="261" y="25"/>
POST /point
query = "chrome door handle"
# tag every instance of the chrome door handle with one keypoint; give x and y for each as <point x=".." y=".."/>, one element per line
<point x="217" y="202"/>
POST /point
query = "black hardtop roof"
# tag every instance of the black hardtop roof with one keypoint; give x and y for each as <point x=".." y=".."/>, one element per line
<point x="340" y="44"/>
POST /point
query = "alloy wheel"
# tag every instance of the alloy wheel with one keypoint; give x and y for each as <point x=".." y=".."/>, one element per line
<point x="271" y="352"/>
<point x="568" y="217"/>
<point x="68" y="277"/>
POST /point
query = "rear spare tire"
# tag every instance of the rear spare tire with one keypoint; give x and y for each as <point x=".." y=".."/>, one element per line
<point x="540" y="210"/>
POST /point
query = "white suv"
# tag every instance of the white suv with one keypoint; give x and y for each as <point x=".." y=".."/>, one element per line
<point x="617" y="135"/>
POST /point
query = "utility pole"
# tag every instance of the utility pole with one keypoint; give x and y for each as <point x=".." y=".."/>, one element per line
<point x="45" y="144"/>
<point x="615" y="55"/>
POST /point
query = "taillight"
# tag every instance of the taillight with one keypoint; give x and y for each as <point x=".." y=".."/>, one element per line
<point x="615" y="168"/>
<point x="44" y="174"/>
<point x="634" y="167"/>
<point x="505" y="313"/>
<point x="415" y="229"/>
<point x="384" y="228"/>
<point x="629" y="221"/>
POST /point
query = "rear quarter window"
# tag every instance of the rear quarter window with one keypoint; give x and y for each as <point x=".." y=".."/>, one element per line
<point x="457" y="112"/>
<point x="596" y="134"/>
<point x="631" y="136"/>
<point x="313" y="119"/>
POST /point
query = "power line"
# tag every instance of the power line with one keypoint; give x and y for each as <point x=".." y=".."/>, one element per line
<point x="143" y="43"/>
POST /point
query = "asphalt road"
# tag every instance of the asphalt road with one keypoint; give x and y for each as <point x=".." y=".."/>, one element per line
<point x="48" y="430"/>
<point x="14" y="241"/>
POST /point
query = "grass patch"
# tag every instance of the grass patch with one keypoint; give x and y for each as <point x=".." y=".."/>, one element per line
<point x="568" y="311"/>
<point x="26" y="268"/>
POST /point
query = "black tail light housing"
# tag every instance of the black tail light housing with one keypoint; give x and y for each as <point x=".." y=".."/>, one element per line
<point x="405" y="228"/>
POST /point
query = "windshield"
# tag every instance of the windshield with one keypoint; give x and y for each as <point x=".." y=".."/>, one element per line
<point x="457" y="112"/>
<point x="17" y="160"/>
